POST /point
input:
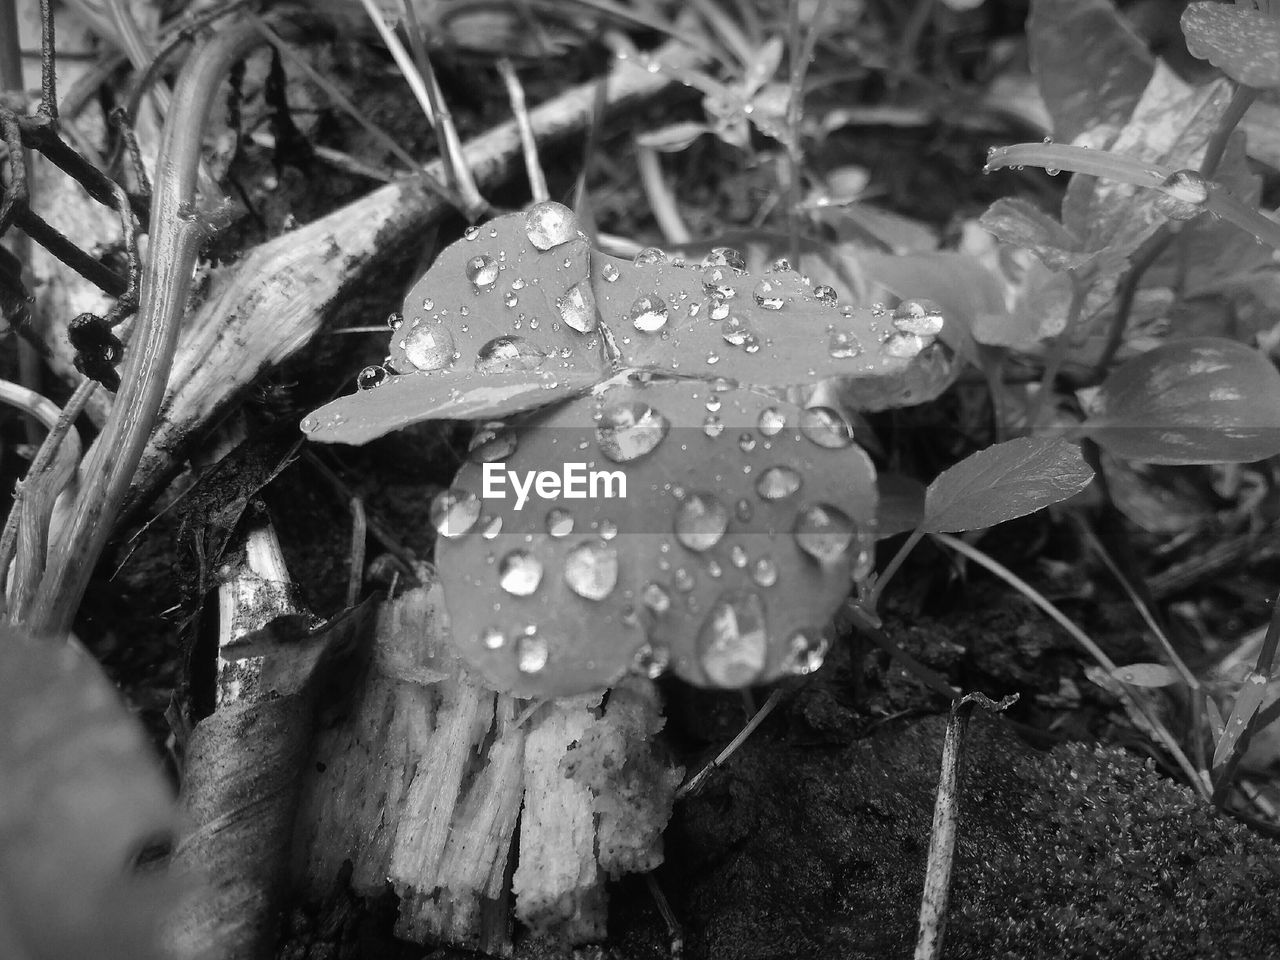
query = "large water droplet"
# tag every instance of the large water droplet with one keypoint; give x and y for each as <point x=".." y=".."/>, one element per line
<point x="725" y="257"/>
<point x="454" y="512"/>
<point x="825" y="295"/>
<point x="768" y="295"/>
<point x="549" y="224"/>
<point x="764" y="572"/>
<point x="777" y="483"/>
<point x="656" y="598"/>
<point x="771" y="421"/>
<point x="507" y="354"/>
<point x="904" y="345"/>
<point x="630" y="429"/>
<point x="428" y="348"/>
<point x="826" y="427"/>
<point x="395" y="319"/>
<point x="591" y="569"/>
<point x="492" y="638"/>
<point x="717" y="282"/>
<point x="701" y="521"/>
<point x="649" y="256"/>
<point x="532" y="652"/>
<point x="610" y="273"/>
<point x="370" y="377"/>
<point x="843" y="345"/>
<point x="712" y="426"/>
<point x="578" y="307"/>
<point x="559" y="522"/>
<point x="806" y="649"/>
<point x="651" y="661"/>
<point x="735" y="330"/>
<point x="482" y="271"/>
<point x="921" y="317"/>
<point x="648" y="313"/>
<point x="824" y="532"/>
<point x="492" y="442"/>
<point x="780" y="265"/>
<point x="733" y="642"/>
<point x="520" y="573"/>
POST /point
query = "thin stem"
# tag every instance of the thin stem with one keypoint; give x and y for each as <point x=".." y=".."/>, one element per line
<point x="1058" y="352"/>
<point x="694" y="783"/>
<point x="1028" y="591"/>
<point x="661" y="201"/>
<point x="1151" y="250"/>
<point x="402" y="59"/>
<point x="532" y="165"/>
<point x="1241" y="99"/>
<point x="48" y="69"/>
<point x="873" y="598"/>
<point x="176" y="234"/>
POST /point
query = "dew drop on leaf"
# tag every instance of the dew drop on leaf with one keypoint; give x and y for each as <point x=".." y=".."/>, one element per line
<point x="648" y="313"/>
<point x="507" y="354"/>
<point x="725" y="257"/>
<point x="492" y="638"/>
<point x="370" y="377"/>
<point x="454" y="512"/>
<point x="746" y="442"/>
<point x="549" y="224"/>
<point x="825" y="295"/>
<point x="717" y="283"/>
<point x="651" y="661"/>
<point x="471" y="232"/>
<point x="559" y="522"/>
<point x="738" y="556"/>
<point x="492" y="442"/>
<point x="777" y="483"/>
<point x="826" y="428"/>
<point x="780" y="265"/>
<point x="701" y="521"/>
<point x="734" y="330"/>
<point x="767" y="295"/>
<point x="922" y="318"/>
<point x="649" y="256"/>
<point x="743" y="510"/>
<point x="713" y="426"/>
<point x="531" y="651"/>
<point x="428" y="349"/>
<point x="764" y="572"/>
<point x="843" y="345"/>
<point x="395" y="319"/>
<point x="684" y="580"/>
<point x="733" y="641"/>
<point x="656" y="598"/>
<point x="609" y="272"/>
<point x="824" y="532"/>
<point x="630" y="429"/>
<point x="519" y="573"/>
<point x="482" y="271"/>
<point x="577" y="307"/>
<point x="806" y="650"/>
<point x="771" y="421"/>
<point x="591" y="569"/>
<point x="905" y="345"/>
<point x="490" y="527"/>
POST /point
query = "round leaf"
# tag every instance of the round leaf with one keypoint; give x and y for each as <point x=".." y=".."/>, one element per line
<point x="1241" y="42"/>
<point x="1003" y="482"/>
<point x="1198" y="400"/>
<point x="744" y="520"/>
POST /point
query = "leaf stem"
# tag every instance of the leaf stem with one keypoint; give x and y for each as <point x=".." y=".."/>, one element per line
<point x="1241" y="99"/>
<point x="873" y="598"/>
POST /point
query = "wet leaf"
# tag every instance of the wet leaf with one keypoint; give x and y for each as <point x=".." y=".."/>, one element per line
<point x="1241" y="42"/>
<point x="1025" y="225"/>
<point x="1146" y="675"/>
<point x="1002" y="482"/>
<point x="1090" y="65"/>
<point x="80" y="795"/>
<point x="744" y="520"/>
<point x="1198" y="400"/>
<point x="1248" y="700"/>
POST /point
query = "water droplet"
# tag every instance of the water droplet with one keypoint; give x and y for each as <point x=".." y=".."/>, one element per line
<point x="648" y="313"/>
<point x="746" y="442"/>
<point x="591" y="569"/>
<point x="719" y="310"/>
<point x="630" y="429"/>
<point x="701" y="521"/>
<point x="713" y="358"/>
<point x="764" y="572"/>
<point x="826" y="295"/>
<point x="743" y="510"/>
<point x="559" y="522"/>
<point x="609" y="272"/>
<point x="824" y="532"/>
<point x="843" y="345"/>
<point x="510" y="300"/>
<point x="507" y="354"/>
<point x="768" y="295"/>
<point x="806" y="649"/>
<point x="649" y="256"/>
<point x="771" y="421"/>
<point x="531" y="651"/>
<point x="428" y="349"/>
<point x="733" y="641"/>
<point x="492" y="638"/>
<point x="780" y="265"/>
<point x="490" y="527"/>
<point x="370" y="377"/>
<point x="905" y="345"/>
<point x="578" y="307"/>
<point x="656" y="598"/>
<point x="778" y="483"/>
<point x="310" y="424"/>
<point x="608" y="530"/>
<point x="921" y="317"/>
<point x="482" y="271"/>
<point x="734" y="330"/>
<point x="713" y="426"/>
<point x="725" y="257"/>
<point x="738" y="556"/>
<point x="492" y="442"/>
<point x="826" y="428"/>
<point x="471" y="233"/>
<point x="716" y="282"/>
<point x="454" y="512"/>
<point x="395" y="319"/>
<point x="651" y="661"/>
<point x="520" y="573"/>
<point x="684" y="580"/>
<point x="549" y="224"/>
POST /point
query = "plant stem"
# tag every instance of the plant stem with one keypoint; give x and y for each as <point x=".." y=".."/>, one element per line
<point x="1151" y="250"/>
<point x="907" y="546"/>
<point x="664" y="206"/>
<point x="1241" y="99"/>
<point x="176" y="233"/>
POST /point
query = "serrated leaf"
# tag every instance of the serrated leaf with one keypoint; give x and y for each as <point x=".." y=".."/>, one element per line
<point x="1024" y="225"/>
<point x="1192" y="401"/>
<point x="1248" y="699"/>
<point x="1146" y="675"/>
<point x="1003" y="482"/>
<point x="80" y="794"/>
<point x="714" y="558"/>
<point x="1090" y="65"/>
<point x="1241" y="42"/>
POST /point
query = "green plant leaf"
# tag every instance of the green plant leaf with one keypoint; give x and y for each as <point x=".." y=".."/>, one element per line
<point x="1241" y="42"/>
<point x="1198" y="400"/>
<point x="80" y="795"/>
<point x="1025" y="225"/>
<point x="1002" y="482"/>
<point x="1248" y="699"/>
<point x="1146" y="675"/>
<point x="1090" y="65"/>
<point x="744" y="520"/>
